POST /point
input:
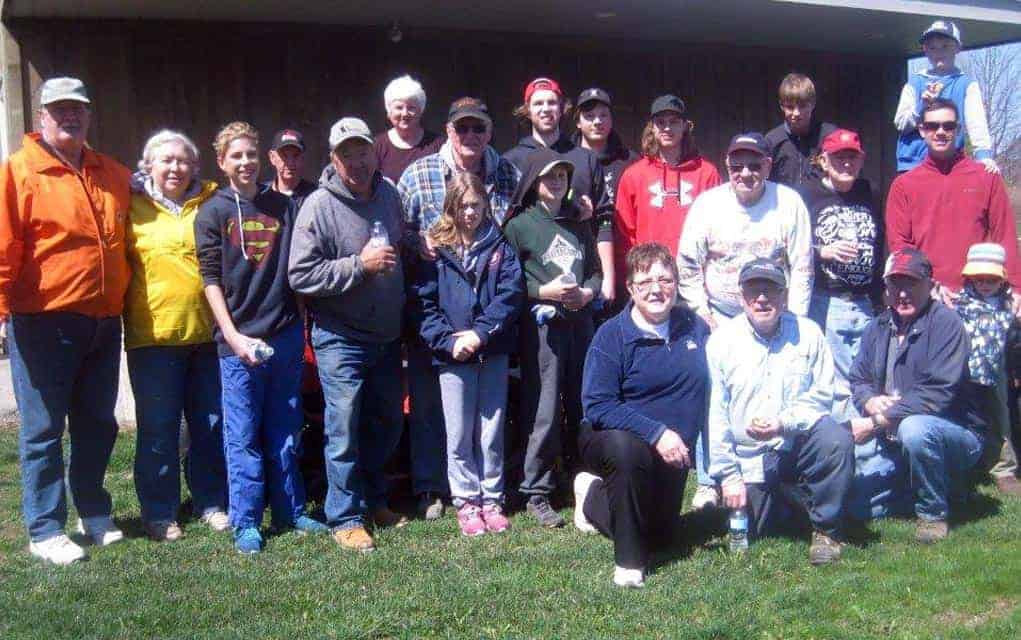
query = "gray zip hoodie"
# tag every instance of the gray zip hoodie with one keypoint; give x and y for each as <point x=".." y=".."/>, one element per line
<point x="331" y="230"/>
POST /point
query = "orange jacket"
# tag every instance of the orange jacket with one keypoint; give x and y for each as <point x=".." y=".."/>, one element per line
<point x="62" y="233"/>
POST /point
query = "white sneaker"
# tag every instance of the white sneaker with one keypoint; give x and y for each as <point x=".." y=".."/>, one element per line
<point x="705" y="496"/>
<point x="582" y="483"/>
<point x="58" y="549"/>
<point x="101" y="529"/>
<point x="217" y="520"/>
<point x="634" y="578"/>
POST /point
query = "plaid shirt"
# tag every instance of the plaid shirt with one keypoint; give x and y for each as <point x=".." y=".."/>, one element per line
<point x="423" y="187"/>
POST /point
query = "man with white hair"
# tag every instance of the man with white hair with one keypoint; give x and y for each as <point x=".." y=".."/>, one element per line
<point x="63" y="276"/>
<point x="406" y="140"/>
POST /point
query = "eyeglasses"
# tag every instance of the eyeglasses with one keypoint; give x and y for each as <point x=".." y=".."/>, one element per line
<point x="463" y="129"/>
<point x="664" y="284"/>
<point x="949" y="126"/>
<point x="737" y="167"/>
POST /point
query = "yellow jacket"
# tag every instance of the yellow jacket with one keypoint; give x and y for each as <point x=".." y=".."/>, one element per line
<point x="165" y="304"/>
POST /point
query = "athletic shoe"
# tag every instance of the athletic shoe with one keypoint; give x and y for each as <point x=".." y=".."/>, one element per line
<point x="163" y="531"/>
<point x="355" y="539"/>
<point x="384" y="517"/>
<point x="705" y="496"/>
<point x="542" y="511"/>
<point x="304" y="524"/>
<point x="582" y="483"/>
<point x="469" y="518"/>
<point x="100" y="529"/>
<point x="217" y="520"/>
<point x="248" y="540"/>
<point x="634" y="578"/>
<point x="824" y="549"/>
<point x="492" y="515"/>
<point x="430" y="506"/>
<point x="58" y="549"/>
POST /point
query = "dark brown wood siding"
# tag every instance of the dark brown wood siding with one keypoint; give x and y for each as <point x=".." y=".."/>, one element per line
<point x="199" y="76"/>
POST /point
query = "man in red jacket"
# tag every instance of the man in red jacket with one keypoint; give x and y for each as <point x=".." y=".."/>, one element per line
<point x="948" y="203"/>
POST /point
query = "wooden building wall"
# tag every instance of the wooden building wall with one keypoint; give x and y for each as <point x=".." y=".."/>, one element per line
<point x="197" y="76"/>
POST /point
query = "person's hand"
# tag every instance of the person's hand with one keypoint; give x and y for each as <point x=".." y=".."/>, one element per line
<point x="426" y="248"/>
<point x="585" y="208"/>
<point x="877" y="405"/>
<point x="735" y="496"/>
<point x="557" y="290"/>
<point x="466" y="343"/>
<point x="991" y="166"/>
<point x="241" y="345"/>
<point x="842" y="251"/>
<point x="863" y="430"/>
<point x="671" y="448"/>
<point x="932" y="91"/>
<point x="608" y="289"/>
<point x="378" y="259"/>
<point x="578" y="298"/>
<point x="763" y="428"/>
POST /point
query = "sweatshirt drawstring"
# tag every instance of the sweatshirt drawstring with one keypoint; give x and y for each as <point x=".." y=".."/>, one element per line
<point x="241" y="225"/>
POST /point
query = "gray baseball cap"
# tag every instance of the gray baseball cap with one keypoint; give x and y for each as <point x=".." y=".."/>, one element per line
<point x="347" y="128"/>
<point x="57" y="89"/>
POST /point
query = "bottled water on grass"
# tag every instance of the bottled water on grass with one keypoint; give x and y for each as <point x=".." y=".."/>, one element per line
<point x="738" y="531"/>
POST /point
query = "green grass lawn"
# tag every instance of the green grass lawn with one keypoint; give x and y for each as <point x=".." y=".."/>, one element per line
<point x="426" y="580"/>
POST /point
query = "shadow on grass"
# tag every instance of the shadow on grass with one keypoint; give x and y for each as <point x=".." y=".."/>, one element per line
<point x="978" y="506"/>
<point x="693" y="529"/>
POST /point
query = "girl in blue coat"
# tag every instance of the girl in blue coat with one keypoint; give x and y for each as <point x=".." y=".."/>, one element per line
<point x="469" y="299"/>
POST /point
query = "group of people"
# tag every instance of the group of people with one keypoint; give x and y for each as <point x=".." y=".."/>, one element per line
<point x="661" y="319"/>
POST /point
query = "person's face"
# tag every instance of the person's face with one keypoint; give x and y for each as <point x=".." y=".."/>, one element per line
<point x="763" y="302"/>
<point x="469" y="138"/>
<point x="172" y="169"/>
<point x="470" y="213"/>
<point x="842" y="167"/>
<point x="654" y="292"/>
<point x="553" y="186"/>
<point x="595" y="122"/>
<point x="941" y="51"/>
<point x="986" y="286"/>
<point x="403" y="114"/>
<point x="544" y="111"/>
<point x="240" y="162"/>
<point x="748" y="171"/>
<point x="907" y="296"/>
<point x="355" y="163"/>
<point x="939" y="129"/>
<point x="668" y="127"/>
<point x="65" y="123"/>
<point x="288" y="161"/>
<point x="798" y="114"/>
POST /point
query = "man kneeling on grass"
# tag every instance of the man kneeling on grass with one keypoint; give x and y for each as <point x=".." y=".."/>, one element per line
<point x="644" y="393"/>
<point x="772" y="440"/>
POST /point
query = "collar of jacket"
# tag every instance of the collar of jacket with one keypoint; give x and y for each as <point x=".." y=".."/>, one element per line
<point x="681" y="322"/>
<point x="41" y="159"/>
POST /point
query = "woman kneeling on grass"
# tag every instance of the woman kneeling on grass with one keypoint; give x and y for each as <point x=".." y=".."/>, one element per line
<point x="469" y="299"/>
<point x="243" y="239"/>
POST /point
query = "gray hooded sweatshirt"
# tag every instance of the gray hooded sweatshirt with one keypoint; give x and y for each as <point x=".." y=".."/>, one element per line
<point x="331" y="230"/>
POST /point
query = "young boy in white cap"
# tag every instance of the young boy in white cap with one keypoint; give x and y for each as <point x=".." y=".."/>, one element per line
<point x="984" y="305"/>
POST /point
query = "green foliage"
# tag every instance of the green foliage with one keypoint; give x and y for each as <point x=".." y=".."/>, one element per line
<point x="428" y="581"/>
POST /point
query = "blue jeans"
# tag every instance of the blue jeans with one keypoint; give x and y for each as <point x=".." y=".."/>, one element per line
<point x="166" y="381"/>
<point x="64" y="366"/>
<point x="361" y="385"/>
<point x="843" y="323"/>
<point x="426" y="429"/>
<point x="261" y="421"/>
<point x="939" y="454"/>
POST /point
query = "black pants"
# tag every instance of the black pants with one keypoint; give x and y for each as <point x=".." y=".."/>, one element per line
<point x="637" y="502"/>
<point x="552" y="357"/>
<point x="813" y="478"/>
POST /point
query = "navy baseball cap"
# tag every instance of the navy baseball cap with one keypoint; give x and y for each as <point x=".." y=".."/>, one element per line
<point x="667" y="103"/>
<point x="762" y="269"/>
<point x="751" y="141"/>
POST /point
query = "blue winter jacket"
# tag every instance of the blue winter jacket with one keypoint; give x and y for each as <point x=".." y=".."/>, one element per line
<point x="487" y="299"/>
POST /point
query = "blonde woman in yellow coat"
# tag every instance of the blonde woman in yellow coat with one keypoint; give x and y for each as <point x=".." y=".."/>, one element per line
<point x="168" y="336"/>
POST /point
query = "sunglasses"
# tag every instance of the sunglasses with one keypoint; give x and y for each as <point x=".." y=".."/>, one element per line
<point x="736" y="167"/>
<point x="949" y="126"/>
<point x="463" y="129"/>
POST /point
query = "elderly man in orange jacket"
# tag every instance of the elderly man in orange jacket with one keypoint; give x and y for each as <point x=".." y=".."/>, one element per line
<point x="63" y="275"/>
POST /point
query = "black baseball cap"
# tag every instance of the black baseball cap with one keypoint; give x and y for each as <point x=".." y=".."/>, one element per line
<point x="751" y="141"/>
<point x="762" y="269"/>
<point x="469" y="108"/>
<point x="594" y="94"/>
<point x="288" y="138"/>
<point x="667" y="103"/>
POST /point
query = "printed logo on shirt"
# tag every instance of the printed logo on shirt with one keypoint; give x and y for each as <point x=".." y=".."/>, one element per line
<point x="659" y="194"/>
<point x="259" y="232"/>
<point x="852" y="223"/>
<point x="561" y="253"/>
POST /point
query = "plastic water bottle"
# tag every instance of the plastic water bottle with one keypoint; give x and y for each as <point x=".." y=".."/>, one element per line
<point x="260" y="351"/>
<point x="543" y="313"/>
<point x="379" y="237"/>
<point x="738" y="531"/>
<point x="568" y="278"/>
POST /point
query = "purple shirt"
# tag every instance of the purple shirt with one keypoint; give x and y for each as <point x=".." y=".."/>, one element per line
<point x="393" y="160"/>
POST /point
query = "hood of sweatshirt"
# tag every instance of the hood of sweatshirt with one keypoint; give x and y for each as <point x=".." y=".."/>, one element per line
<point x="330" y="180"/>
<point x="534" y="164"/>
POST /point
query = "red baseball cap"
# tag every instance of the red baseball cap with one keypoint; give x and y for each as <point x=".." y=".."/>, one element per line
<point x="540" y="84"/>
<point x="842" y="140"/>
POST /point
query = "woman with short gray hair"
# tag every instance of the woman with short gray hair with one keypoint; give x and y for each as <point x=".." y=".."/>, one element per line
<point x="406" y="140"/>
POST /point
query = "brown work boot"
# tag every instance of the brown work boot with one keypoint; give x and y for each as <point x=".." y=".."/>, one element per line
<point x="824" y="549"/>
<point x="1009" y="485"/>
<point x="383" y="517"/>
<point x="355" y="539"/>
<point x="929" y="531"/>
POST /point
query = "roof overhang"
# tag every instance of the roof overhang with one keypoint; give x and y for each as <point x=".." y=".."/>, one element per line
<point x="877" y="27"/>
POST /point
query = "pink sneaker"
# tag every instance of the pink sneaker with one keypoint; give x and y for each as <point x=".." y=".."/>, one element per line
<point x="469" y="516"/>
<point x="495" y="520"/>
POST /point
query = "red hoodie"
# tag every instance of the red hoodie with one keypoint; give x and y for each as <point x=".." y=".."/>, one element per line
<point x="653" y="199"/>
<point x="942" y="208"/>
